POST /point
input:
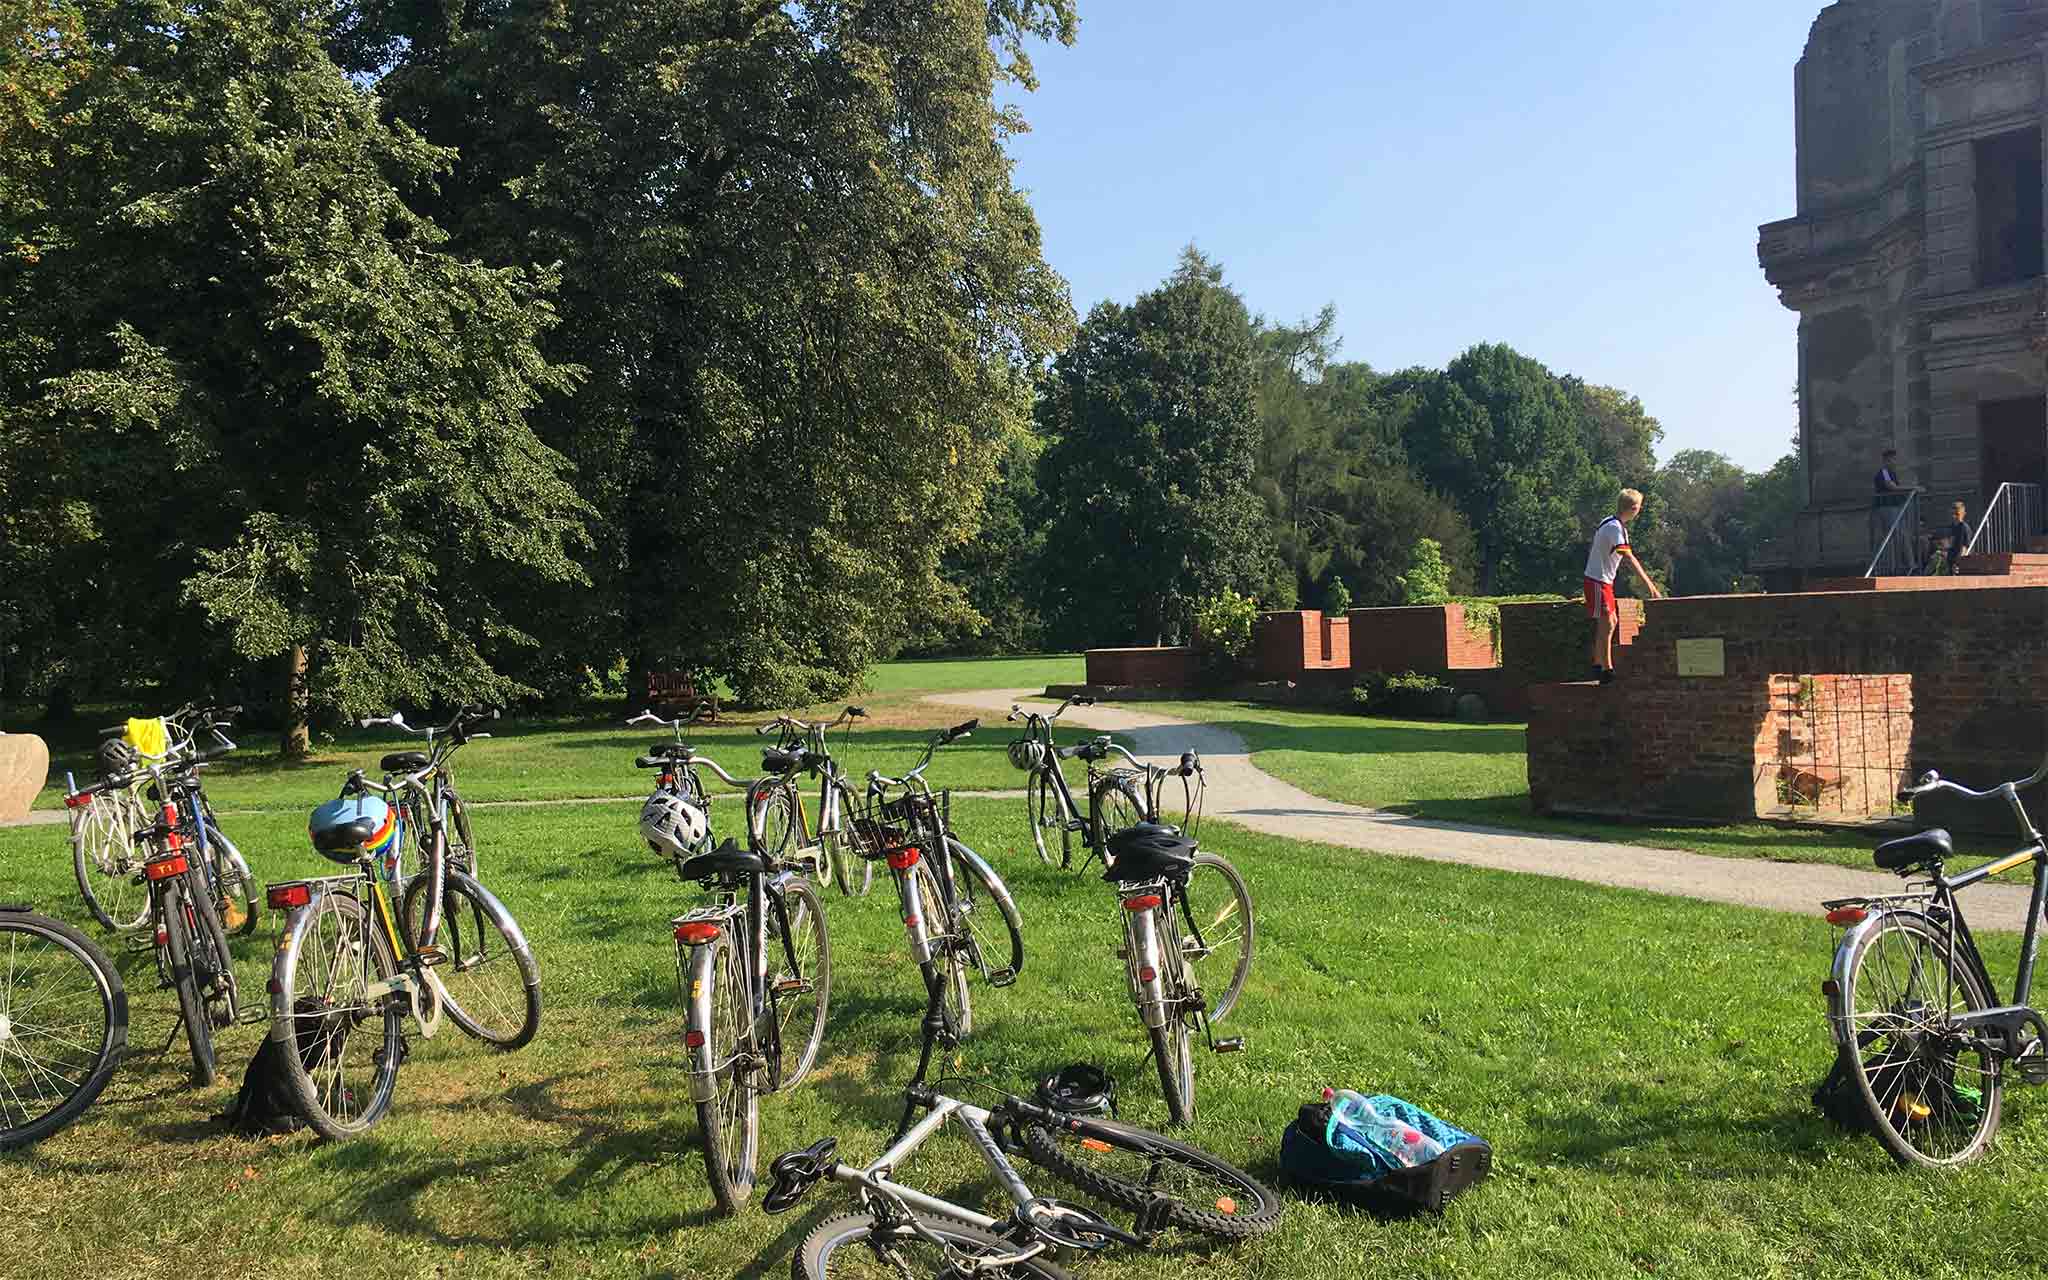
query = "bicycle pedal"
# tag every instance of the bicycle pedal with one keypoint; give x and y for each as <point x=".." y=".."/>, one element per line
<point x="794" y="986"/>
<point x="2032" y="1070"/>
<point x="431" y="955"/>
<point x="1002" y="977"/>
<point x="1235" y="1044"/>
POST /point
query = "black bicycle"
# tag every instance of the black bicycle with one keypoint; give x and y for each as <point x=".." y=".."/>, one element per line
<point x="433" y="799"/>
<point x="1048" y="801"/>
<point x="901" y="1231"/>
<point x="1916" y="1016"/>
<point x="63" y="1025"/>
<point x="776" y="821"/>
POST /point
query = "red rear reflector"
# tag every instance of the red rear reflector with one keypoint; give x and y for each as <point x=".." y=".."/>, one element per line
<point x="1846" y="916"/>
<point x="693" y="1039"/>
<point x="696" y="932"/>
<point x="668" y="779"/>
<point x="1146" y="973"/>
<point x="1143" y="902"/>
<point x="77" y="801"/>
<point x="283" y="897"/>
<point x="905" y="858"/>
<point x="165" y="868"/>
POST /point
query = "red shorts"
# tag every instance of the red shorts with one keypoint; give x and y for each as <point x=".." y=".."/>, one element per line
<point x="1599" y="599"/>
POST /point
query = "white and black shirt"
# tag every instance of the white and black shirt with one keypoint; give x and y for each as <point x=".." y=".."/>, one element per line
<point x="1609" y="541"/>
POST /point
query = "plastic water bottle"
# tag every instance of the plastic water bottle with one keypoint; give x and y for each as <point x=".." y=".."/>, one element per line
<point x="1353" y="1113"/>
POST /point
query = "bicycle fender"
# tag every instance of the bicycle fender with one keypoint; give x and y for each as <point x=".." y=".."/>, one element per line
<point x="695" y="964"/>
<point x="492" y="901"/>
<point x="1839" y="1021"/>
<point x="1141" y="929"/>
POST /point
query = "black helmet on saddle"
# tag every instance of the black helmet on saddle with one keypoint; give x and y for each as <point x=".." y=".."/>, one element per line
<point x="1148" y="851"/>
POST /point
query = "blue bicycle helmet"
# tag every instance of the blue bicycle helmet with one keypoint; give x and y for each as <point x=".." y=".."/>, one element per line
<point x="353" y="828"/>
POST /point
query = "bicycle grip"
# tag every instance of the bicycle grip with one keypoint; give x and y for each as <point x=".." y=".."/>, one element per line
<point x="761" y="730"/>
<point x="858" y="713"/>
<point x="962" y="729"/>
<point x="647" y="762"/>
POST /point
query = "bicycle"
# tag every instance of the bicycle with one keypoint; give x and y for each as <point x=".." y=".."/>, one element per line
<point x="103" y="857"/>
<point x="1187" y="914"/>
<point x="63" y="1025"/>
<point x="1912" y="1007"/>
<point x="748" y="1031"/>
<point x="345" y="962"/>
<point x="191" y="946"/>
<point x="947" y="895"/>
<point x="438" y="795"/>
<point x="1048" y="801"/>
<point x="901" y="1231"/>
<point x="775" y="809"/>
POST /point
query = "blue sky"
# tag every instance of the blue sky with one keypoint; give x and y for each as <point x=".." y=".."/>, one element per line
<point x="1581" y="180"/>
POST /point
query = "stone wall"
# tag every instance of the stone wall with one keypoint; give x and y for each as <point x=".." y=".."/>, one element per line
<point x="1546" y="643"/>
<point x="1294" y="641"/>
<point x="1426" y="638"/>
<point x="1152" y="668"/>
<point x="1658" y="744"/>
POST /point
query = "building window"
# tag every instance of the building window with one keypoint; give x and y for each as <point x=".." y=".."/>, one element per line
<point x="2009" y="232"/>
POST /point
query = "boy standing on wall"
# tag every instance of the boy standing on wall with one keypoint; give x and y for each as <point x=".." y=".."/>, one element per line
<point x="1603" y="562"/>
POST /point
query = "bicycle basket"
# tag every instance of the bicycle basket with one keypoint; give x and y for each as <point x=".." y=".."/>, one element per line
<point x="877" y="840"/>
<point x="1027" y="754"/>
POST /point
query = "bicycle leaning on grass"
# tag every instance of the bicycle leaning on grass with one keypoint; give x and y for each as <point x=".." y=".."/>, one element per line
<point x="63" y="1025"/>
<point x="775" y="808"/>
<point x="1048" y="801"/>
<point x="1916" y="1017"/>
<point x="901" y="1231"/>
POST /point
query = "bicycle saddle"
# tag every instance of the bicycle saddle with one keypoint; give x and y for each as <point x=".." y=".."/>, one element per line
<point x="403" y="761"/>
<point x="726" y="859"/>
<point x="1148" y="851"/>
<point x="775" y="760"/>
<point x="1907" y="852"/>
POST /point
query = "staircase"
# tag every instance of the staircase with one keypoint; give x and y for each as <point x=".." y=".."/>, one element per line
<point x="2027" y="568"/>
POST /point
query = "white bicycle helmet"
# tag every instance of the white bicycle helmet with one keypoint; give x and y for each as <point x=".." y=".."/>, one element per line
<point x="1027" y="753"/>
<point x="672" y="825"/>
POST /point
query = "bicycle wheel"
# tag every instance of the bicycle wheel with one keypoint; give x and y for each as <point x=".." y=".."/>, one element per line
<point x="856" y="1247"/>
<point x="948" y="963"/>
<point x="1114" y="806"/>
<point x="235" y="898"/>
<point x="104" y="860"/>
<point x="852" y="873"/>
<point x="488" y="969"/>
<point x="1132" y="1167"/>
<point x="984" y="917"/>
<point x="63" y="1026"/>
<point x="186" y="974"/>
<point x="1042" y="805"/>
<point x="344" y="1047"/>
<point x="772" y="820"/>
<point x="1933" y="1092"/>
<point x="721" y="1024"/>
<point x="1216" y="932"/>
<point x="462" y="851"/>
<point x="1172" y="1045"/>
<point x="798" y="993"/>
<point x="213" y="959"/>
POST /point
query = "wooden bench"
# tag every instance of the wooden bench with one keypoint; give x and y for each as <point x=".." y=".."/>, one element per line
<point x="676" y="689"/>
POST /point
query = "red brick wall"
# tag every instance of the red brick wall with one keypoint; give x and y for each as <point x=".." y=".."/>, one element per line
<point x="1289" y="643"/>
<point x="1834" y="746"/>
<point x="1543" y="643"/>
<point x="1426" y="638"/>
<point x="1156" y="668"/>
<point x="1972" y="663"/>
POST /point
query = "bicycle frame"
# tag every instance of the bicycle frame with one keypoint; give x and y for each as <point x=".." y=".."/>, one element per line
<point x="978" y="1123"/>
<point x="762" y="893"/>
<point x="410" y="977"/>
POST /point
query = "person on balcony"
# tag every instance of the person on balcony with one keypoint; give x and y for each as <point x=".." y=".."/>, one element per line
<point x="1887" y="496"/>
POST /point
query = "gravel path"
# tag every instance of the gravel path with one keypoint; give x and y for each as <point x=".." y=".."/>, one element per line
<point x="1242" y="793"/>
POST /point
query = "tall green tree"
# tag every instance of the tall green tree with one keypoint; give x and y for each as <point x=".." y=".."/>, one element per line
<point x="1154" y="433"/>
<point x="300" y="421"/>
<point x="809" y="296"/>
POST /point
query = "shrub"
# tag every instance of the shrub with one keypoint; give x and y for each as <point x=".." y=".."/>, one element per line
<point x="1336" y="597"/>
<point x="1428" y="580"/>
<point x="1404" y="693"/>
<point x="1223" y="624"/>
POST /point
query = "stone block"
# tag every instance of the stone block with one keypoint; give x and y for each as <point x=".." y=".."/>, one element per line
<point x="24" y="768"/>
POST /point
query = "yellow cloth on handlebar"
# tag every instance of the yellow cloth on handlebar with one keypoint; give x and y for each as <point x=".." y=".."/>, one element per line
<point x="148" y="736"/>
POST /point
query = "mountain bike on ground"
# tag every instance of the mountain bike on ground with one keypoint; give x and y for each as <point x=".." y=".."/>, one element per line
<point x="63" y="1025"/>
<point x="104" y="856"/>
<point x="435" y="797"/>
<point x="1187" y="914"/>
<point x="957" y="910"/>
<point x="755" y="971"/>
<point x="351" y="966"/>
<point x="1916" y="1017"/>
<point x="775" y="809"/>
<point x="191" y="946"/>
<point x="1048" y="801"/>
<point x="901" y="1231"/>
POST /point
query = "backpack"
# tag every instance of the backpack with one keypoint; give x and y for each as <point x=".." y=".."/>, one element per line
<point x="1308" y="1158"/>
<point x="1932" y="1084"/>
<point x="265" y="1105"/>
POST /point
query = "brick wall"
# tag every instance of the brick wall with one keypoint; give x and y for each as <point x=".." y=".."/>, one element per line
<point x="1157" y="668"/>
<point x="1544" y="643"/>
<point x="1834" y="746"/>
<point x="1291" y="642"/>
<point x="1971" y="666"/>
<point x="1427" y="638"/>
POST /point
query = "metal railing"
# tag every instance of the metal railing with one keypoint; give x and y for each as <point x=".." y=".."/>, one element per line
<point x="2010" y="522"/>
<point x="1896" y="556"/>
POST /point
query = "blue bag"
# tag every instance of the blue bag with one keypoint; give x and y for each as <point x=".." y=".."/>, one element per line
<point x="1309" y="1157"/>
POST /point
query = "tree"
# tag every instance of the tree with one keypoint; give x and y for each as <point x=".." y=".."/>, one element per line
<point x="301" y="421"/>
<point x="1703" y="542"/>
<point x="810" y="298"/>
<point x="1154" y="438"/>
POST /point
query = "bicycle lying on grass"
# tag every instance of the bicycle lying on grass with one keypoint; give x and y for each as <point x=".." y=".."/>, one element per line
<point x="63" y="1025"/>
<point x="948" y="891"/>
<point x="902" y="1231"/>
<point x="1915" y="1014"/>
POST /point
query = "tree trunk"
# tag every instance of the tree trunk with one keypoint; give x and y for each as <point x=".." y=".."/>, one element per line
<point x="297" y="741"/>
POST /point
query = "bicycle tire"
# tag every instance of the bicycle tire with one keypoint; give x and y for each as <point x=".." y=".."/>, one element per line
<point x="178" y="949"/>
<point x="729" y="1124"/>
<point x="1113" y="805"/>
<point x="1075" y="1153"/>
<point x="329" y="955"/>
<point x="101" y="1023"/>
<point x="216" y="957"/>
<point x="1912" y="1083"/>
<point x="478" y="933"/>
<point x="237" y="884"/>
<point x="102" y="855"/>
<point x="976" y="886"/>
<point x="852" y="874"/>
<point x="847" y="1238"/>
<point x="805" y="912"/>
<point x="1042" y="807"/>
<point x="462" y="850"/>
<point x="771" y="820"/>
<point x="1225" y="925"/>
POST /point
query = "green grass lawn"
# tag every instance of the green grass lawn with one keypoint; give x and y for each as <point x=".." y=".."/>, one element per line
<point x="1642" y="1065"/>
<point x="1479" y="773"/>
<point x="940" y="675"/>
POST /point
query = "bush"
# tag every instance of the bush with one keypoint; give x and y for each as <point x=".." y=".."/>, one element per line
<point x="1428" y="580"/>
<point x="1336" y="597"/>
<point x="1405" y="693"/>
<point x="1223" y="625"/>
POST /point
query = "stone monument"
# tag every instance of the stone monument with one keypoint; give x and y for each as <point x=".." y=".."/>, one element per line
<point x="24" y="768"/>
